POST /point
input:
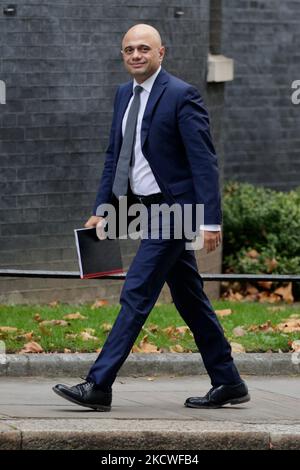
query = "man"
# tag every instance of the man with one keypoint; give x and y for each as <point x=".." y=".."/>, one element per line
<point x="161" y="126"/>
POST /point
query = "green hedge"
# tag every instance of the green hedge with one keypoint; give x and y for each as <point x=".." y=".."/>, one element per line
<point x="264" y="220"/>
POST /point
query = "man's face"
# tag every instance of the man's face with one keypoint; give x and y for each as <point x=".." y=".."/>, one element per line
<point x="142" y="54"/>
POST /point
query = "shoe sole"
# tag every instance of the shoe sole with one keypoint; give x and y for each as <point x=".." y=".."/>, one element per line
<point x="73" y="400"/>
<point x="234" y="401"/>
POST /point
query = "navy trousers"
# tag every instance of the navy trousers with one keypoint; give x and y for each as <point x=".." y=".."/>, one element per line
<point x="158" y="261"/>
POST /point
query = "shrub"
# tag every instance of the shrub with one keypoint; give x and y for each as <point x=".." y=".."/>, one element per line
<point x="261" y="229"/>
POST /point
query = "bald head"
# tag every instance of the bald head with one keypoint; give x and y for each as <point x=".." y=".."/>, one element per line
<point x="142" y="30"/>
<point x="142" y="51"/>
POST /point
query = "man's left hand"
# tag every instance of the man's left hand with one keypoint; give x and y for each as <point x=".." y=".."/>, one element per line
<point x="212" y="240"/>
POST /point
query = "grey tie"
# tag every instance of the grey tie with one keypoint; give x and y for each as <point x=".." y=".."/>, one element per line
<point x="127" y="150"/>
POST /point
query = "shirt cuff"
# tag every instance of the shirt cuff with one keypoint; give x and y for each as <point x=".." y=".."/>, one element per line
<point x="211" y="228"/>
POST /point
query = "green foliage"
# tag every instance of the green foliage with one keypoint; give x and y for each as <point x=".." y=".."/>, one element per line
<point x="268" y="221"/>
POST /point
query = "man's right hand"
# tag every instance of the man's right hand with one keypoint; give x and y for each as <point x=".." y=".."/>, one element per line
<point x="99" y="223"/>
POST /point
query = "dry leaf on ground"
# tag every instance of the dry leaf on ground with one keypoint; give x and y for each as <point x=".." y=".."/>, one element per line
<point x="86" y="336"/>
<point x="54" y="323"/>
<point x="37" y="317"/>
<point x="74" y="316"/>
<point x="265" y="327"/>
<point x="296" y="345"/>
<point x="145" y="347"/>
<point x="224" y="312"/>
<point x="289" y="326"/>
<point x="176" y="349"/>
<point x="237" y="348"/>
<point x="268" y="297"/>
<point x="32" y="347"/>
<point x="285" y="293"/>
<point x="99" y="303"/>
<point x="8" y="329"/>
<point x="239" y="331"/>
<point x="265" y="284"/>
<point x="106" y="327"/>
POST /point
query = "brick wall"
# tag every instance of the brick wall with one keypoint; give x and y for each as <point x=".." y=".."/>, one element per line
<point x="61" y="64"/>
<point x="262" y="126"/>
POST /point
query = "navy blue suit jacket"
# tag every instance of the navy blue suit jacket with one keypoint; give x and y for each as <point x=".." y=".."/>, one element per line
<point x="177" y="143"/>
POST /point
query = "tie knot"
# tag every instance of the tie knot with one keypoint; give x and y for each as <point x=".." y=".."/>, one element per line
<point x="138" y="89"/>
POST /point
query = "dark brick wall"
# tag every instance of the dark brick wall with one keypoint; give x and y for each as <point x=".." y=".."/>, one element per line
<point x="61" y="64"/>
<point x="262" y="126"/>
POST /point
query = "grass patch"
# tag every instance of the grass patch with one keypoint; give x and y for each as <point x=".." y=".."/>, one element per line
<point x="57" y="338"/>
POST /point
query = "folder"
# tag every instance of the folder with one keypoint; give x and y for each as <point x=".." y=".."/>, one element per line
<point x="96" y="257"/>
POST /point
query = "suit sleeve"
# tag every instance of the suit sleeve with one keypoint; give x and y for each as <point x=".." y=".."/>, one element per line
<point x="193" y="122"/>
<point x="104" y="193"/>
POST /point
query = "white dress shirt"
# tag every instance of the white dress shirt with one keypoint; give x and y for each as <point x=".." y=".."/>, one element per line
<point x="141" y="177"/>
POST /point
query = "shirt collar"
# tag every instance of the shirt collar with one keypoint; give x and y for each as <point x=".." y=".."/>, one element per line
<point x="147" y="84"/>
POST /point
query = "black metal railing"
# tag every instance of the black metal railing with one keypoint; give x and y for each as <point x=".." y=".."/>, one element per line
<point x="205" y="276"/>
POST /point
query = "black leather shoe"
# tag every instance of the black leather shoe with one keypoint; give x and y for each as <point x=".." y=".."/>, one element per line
<point x="86" y="394"/>
<point x="220" y="396"/>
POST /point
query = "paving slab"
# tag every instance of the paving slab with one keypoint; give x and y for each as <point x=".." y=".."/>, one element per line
<point x="149" y="413"/>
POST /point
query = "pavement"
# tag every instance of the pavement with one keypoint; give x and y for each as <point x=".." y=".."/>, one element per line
<point x="149" y="413"/>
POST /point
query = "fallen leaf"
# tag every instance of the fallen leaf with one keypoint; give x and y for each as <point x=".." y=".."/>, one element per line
<point x="170" y="331"/>
<point x="71" y="336"/>
<point x="54" y="323"/>
<point x="237" y="348"/>
<point x="289" y="326"/>
<point x="106" y="327"/>
<point x="251" y="289"/>
<point x="296" y="345"/>
<point x="99" y="304"/>
<point x="32" y="347"/>
<point x="8" y="329"/>
<point x="268" y="297"/>
<point x="182" y="330"/>
<point x="175" y="331"/>
<point x="86" y="336"/>
<point x="146" y="347"/>
<point x="26" y="336"/>
<point x="74" y="316"/>
<point x="265" y="284"/>
<point x="285" y="293"/>
<point x="54" y="303"/>
<point x="224" y="312"/>
<point x="152" y="328"/>
<point x="266" y="327"/>
<point x="67" y="351"/>
<point x="235" y="296"/>
<point x="251" y="297"/>
<point x="177" y="349"/>
<point x="239" y="331"/>
<point x="37" y="317"/>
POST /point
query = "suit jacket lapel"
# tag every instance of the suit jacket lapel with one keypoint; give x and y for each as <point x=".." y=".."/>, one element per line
<point x="156" y="92"/>
<point x="124" y="100"/>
